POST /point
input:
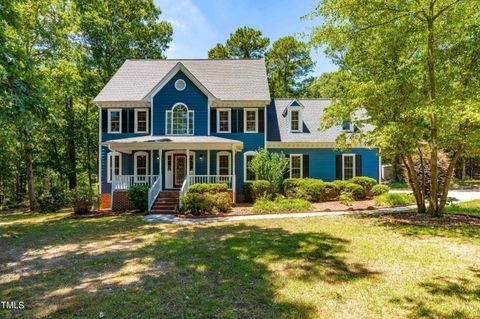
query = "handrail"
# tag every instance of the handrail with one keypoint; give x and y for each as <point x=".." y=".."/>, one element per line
<point x="212" y="179"/>
<point x="123" y="182"/>
<point x="153" y="192"/>
<point x="183" y="190"/>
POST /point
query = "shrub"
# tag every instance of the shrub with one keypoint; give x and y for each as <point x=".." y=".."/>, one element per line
<point x="356" y="190"/>
<point x="247" y="193"/>
<point x="82" y="199"/>
<point x="346" y="198"/>
<point x="262" y="189"/>
<point x="340" y="185"/>
<point x="221" y="201"/>
<point x="208" y="188"/>
<point x="309" y="189"/>
<point x="197" y="204"/>
<point x="366" y="182"/>
<point x="380" y="189"/>
<point x="269" y="166"/>
<point x="52" y="193"/>
<point x="331" y="191"/>
<point x="393" y="199"/>
<point x="138" y="196"/>
<point x="281" y="204"/>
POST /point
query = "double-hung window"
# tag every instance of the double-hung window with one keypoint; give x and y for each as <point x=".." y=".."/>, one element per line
<point x="296" y="166"/>
<point x="251" y="123"/>
<point x="110" y="158"/>
<point x="179" y="120"/>
<point x="141" y="120"/>
<point x="294" y="121"/>
<point x="114" y="121"/>
<point x="249" y="175"/>
<point x="224" y="119"/>
<point x="223" y="163"/>
<point x="348" y="166"/>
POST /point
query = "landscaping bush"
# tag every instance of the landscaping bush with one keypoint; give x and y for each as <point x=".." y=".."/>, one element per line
<point x="221" y="201"/>
<point x="82" y="199"/>
<point x="269" y="166"/>
<point x="393" y="199"/>
<point x="208" y="188"/>
<point x="332" y="191"/>
<point x="281" y="204"/>
<point x="346" y="198"/>
<point x="356" y="190"/>
<point x="379" y="190"/>
<point x="197" y="204"/>
<point x="366" y="182"/>
<point x="247" y="193"/>
<point x="340" y="185"/>
<point x="138" y="196"/>
<point x="52" y="193"/>
<point x="262" y="189"/>
<point x="310" y="189"/>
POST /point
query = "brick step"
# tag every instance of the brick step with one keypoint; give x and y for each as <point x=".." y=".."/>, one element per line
<point x="166" y="201"/>
<point x="168" y="207"/>
<point x="156" y="211"/>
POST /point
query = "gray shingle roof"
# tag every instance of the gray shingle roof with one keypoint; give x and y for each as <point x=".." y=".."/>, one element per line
<point x="278" y="128"/>
<point x="231" y="80"/>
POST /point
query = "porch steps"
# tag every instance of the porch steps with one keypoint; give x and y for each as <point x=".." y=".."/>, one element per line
<point x="166" y="203"/>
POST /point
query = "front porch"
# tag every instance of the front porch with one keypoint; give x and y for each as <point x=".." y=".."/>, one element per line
<point x="164" y="165"/>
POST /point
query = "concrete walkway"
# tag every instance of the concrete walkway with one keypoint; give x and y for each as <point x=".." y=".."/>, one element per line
<point x="456" y="195"/>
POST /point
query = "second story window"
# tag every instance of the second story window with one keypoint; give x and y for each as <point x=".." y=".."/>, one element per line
<point x="114" y="121"/>
<point x="251" y="123"/>
<point x="141" y="120"/>
<point x="223" y="123"/>
<point x="179" y="120"/>
<point x="294" y="121"/>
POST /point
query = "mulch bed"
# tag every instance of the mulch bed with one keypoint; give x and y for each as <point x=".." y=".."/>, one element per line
<point x="427" y="220"/>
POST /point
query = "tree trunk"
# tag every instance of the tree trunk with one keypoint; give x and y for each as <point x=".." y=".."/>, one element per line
<point x="71" y="152"/>
<point x="414" y="184"/>
<point x="395" y="169"/>
<point x="89" y="154"/>
<point x="27" y="148"/>
<point x="464" y="169"/>
<point x="448" y="178"/>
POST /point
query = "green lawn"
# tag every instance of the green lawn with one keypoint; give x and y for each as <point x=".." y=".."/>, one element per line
<point x="471" y="207"/>
<point x="326" y="267"/>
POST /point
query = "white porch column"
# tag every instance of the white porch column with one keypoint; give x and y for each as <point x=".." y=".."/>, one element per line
<point x="188" y="165"/>
<point x="160" y="167"/>
<point x="234" y="181"/>
<point x="112" y="168"/>
<point x="208" y="162"/>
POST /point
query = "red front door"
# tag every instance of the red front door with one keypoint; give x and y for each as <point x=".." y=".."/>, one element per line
<point x="179" y="169"/>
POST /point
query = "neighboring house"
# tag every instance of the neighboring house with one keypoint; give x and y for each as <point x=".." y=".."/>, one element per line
<point x="172" y="123"/>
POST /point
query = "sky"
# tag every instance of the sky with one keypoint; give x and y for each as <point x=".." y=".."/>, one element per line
<point x="199" y="25"/>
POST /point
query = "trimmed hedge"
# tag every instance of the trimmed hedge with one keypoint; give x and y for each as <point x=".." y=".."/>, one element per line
<point x="138" y="196"/>
<point x="366" y="182"/>
<point x="281" y="204"/>
<point x="356" y="190"/>
<point x="310" y="189"/>
<point x="82" y="199"/>
<point x="206" y="198"/>
<point x="262" y="189"/>
<point x="379" y="190"/>
<point x="208" y="188"/>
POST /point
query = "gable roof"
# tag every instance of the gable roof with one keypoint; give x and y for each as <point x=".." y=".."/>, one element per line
<point x="229" y="80"/>
<point x="278" y="127"/>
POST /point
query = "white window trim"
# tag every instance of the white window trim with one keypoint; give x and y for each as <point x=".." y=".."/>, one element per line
<point x="136" y="120"/>
<point x="249" y="153"/>
<point x="301" y="164"/>
<point x="300" y="120"/>
<point x="142" y="153"/>
<point x="229" y="161"/>
<point x="245" y="110"/>
<point x="190" y="113"/>
<point x="110" y="122"/>
<point x="343" y="164"/>
<point x="229" y="120"/>
<point x="109" y="167"/>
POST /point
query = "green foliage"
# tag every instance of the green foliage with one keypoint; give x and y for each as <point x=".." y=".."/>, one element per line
<point x="310" y="189"/>
<point x="222" y="202"/>
<point x="262" y="189"/>
<point x="332" y="191"/>
<point x="207" y="188"/>
<point x="393" y="199"/>
<point x="288" y="61"/>
<point x="346" y="198"/>
<point x="356" y="190"/>
<point x="138" y="196"/>
<point x="281" y="204"/>
<point x="82" y="199"/>
<point x="339" y="184"/>
<point x="197" y="204"/>
<point x="269" y="166"/>
<point x="245" y="43"/>
<point x="247" y="193"/>
<point x="328" y="85"/>
<point x="366" y="182"/>
<point x="380" y="189"/>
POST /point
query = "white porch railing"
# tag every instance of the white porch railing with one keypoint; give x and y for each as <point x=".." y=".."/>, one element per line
<point x="123" y="182"/>
<point x="153" y="192"/>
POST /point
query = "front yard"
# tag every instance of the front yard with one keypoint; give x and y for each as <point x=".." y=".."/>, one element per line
<point x="363" y="266"/>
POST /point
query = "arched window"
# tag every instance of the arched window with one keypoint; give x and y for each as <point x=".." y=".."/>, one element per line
<point x="179" y="120"/>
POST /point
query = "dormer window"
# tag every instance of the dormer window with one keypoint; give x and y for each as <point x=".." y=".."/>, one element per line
<point x="348" y="126"/>
<point x="294" y="121"/>
<point x="293" y="113"/>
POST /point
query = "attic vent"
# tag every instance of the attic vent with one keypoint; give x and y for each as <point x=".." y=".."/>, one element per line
<point x="180" y="85"/>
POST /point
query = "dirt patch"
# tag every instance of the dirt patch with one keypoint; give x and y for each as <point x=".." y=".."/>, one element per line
<point x="104" y="213"/>
<point x="427" y="220"/>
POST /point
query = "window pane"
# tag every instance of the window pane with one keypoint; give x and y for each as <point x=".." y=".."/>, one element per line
<point x="347" y="167"/>
<point x="251" y="119"/>
<point x="250" y="175"/>
<point x="180" y="121"/>
<point x="141" y="165"/>
<point x="223" y="165"/>
<point x="117" y="165"/>
<point x="296" y="167"/>
<point x="115" y="121"/>
<point x="142" y="121"/>
<point x="169" y="122"/>
<point x="294" y="120"/>
<point x="224" y="121"/>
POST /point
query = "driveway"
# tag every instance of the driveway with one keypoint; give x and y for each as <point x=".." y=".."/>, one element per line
<point x="456" y="195"/>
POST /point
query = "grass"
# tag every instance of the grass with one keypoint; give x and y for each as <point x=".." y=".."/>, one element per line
<point x="399" y="185"/>
<point x="470" y="207"/>
<point x="281" y="204"/>
<point x="393" y="199"/>
<point x="357" y="266"/>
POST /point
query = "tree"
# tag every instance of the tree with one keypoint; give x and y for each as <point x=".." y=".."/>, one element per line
<point x="327" y="85"/>
<point x="287" y="62"/>
<point x="219" y="52"/>
<point x="245" y="43"/>
<point x="414" y="72"/>
<point x="269" y="166"/>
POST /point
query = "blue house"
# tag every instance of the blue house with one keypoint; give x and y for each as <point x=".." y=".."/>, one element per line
<point x="173" y="123"/>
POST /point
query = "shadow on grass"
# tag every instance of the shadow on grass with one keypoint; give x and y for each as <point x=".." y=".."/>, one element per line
<point x="124" y="269"/>
<point x="441" y="298"/>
